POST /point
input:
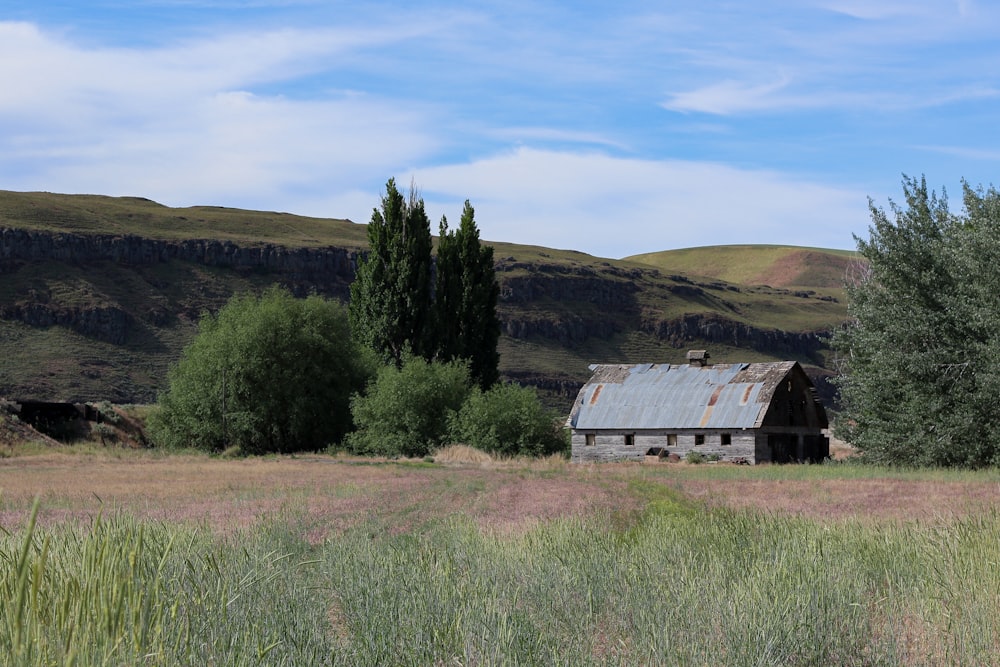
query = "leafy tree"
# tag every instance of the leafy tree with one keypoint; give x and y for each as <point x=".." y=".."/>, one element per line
<point x="509" y="420"/>
<point x="267" y="374"/>
<point x="390" y="308"/>
<point x="920" y="355"/>
<point x="405" y="411"/>
<point x="466" y="299"/>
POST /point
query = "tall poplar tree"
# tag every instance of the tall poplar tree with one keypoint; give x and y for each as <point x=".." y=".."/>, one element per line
<point x="466" y="299"/>
<point x="390" y="309"/>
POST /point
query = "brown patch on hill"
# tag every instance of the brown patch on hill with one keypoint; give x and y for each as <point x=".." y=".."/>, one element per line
<point x="806" y="268"/>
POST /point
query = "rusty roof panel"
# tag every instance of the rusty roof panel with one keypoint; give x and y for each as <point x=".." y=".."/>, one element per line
<point x="677" y="396"/>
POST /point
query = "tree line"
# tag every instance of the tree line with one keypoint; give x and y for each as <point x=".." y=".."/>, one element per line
<point x="409" y="365"/>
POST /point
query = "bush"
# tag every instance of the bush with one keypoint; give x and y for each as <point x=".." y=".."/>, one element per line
<point x="509" y="420"/>
<point x="406" y="410"/>
<point x="266" y="374"/>
<point x="695" y="457"/>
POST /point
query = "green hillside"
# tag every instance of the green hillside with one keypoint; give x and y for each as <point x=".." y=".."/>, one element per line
<point x="97" y="214"/>
<point x="98" y="295"/>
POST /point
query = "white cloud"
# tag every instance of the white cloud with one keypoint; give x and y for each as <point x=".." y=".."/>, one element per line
<point x="613" y="207"/>
<point x="39" y="67"/>
<point x="244" y="150"/>
<point x="176" y="125"/>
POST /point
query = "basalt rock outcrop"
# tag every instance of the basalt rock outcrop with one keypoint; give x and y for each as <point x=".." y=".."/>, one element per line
<point x="105" y="323"/>
<point x="681" y="331"/>
<point x="328" y="270"/>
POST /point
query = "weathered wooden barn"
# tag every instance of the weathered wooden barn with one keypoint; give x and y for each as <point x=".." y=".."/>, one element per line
<point x="745" y="413"/>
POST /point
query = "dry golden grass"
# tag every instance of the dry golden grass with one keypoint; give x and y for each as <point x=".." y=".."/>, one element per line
<point x="840" y="450"/>
<point x="462" y="454"/>
<point x="328" y="493"/>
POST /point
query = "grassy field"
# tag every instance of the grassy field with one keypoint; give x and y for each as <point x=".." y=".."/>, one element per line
<point x="134" y="558"/>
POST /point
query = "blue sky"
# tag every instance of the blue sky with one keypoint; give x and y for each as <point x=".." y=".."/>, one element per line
<point x="611" y="128"/>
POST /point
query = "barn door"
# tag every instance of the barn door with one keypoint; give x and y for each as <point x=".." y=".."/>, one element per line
<point x="782" y="446"/>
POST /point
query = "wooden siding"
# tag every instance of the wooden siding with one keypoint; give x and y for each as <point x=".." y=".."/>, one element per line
<point x="611" y="445"/>
<point x="746" y="446"/>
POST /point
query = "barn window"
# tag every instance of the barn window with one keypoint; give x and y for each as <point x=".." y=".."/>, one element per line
<point x="726" y="438"/>
<point x="630" y="439"/>
<point x="671" y="440"/>
<point x="699" y="440"/>
<point x="591" y="439"/>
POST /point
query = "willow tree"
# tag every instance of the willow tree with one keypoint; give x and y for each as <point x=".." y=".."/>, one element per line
<point x="268" y="373"/>
<point x="921" y="352"/>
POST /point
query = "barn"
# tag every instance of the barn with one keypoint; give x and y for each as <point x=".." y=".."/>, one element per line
<point x="746" y="413"/>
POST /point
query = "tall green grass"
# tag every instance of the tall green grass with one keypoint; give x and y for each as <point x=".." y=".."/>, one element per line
<point x="679" y="588"/>
<point x="125" y="592"/>
<point x="676" y="585"/>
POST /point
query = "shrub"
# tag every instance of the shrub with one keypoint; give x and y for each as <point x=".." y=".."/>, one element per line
<point x="695" y="457"/>
<point x="105" y="432"/>
<point x="406" y="410"/>
<point x="509" y="420"/>
<point x="266" y="374"/>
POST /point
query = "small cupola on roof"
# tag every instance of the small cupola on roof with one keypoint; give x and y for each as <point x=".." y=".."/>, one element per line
<point x="698" y="358"/>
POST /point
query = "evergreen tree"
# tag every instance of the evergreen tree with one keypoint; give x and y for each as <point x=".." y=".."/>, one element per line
<point x="922" y="349"/>
<point x="466" y="299"/>
<point x="390" y="308"/>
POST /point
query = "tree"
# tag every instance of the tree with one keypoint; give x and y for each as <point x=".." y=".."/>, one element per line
<point x="466" y="299"/>
<point x="920" y="354"/>
<point x="390" y="308"/>
<point x="509" y="420"/>
<point x="267" y="374"/>
<point x="405" y="411"/>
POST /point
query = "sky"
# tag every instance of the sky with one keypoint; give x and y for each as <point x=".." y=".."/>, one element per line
<point x="613" y="128"/>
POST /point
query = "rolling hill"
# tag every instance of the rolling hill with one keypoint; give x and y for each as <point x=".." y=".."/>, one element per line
<point x="98" y="295"/>
<point x="789" y="267"/>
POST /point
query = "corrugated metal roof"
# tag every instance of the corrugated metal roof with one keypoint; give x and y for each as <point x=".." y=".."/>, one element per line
<point x="657" y="396"/>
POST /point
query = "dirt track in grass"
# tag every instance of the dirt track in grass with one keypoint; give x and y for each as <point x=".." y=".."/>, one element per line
<point x="326" y="495"/>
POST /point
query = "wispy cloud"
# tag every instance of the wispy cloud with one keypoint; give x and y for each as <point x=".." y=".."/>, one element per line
<point x="729" y="97"/>
<point x="965" y="152"/>
<point x="554" y="135"/>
